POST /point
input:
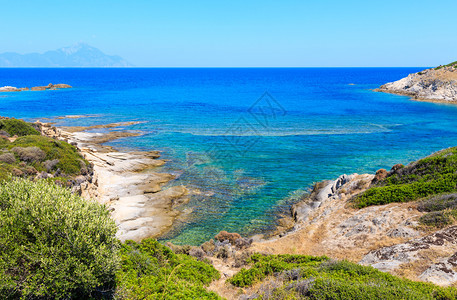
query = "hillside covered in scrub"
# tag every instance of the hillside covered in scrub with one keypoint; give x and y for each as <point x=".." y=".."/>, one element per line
<point x="54" y="244"/>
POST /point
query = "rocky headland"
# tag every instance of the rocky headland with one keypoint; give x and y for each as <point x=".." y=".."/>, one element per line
<point x="127" y="182"/>
<point x="35" y="88"/>
<point x="436" y="84"/>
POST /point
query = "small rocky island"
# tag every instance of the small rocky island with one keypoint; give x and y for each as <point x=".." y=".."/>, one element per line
<point x="35" y="88"/>
<point x="437" y="84"/>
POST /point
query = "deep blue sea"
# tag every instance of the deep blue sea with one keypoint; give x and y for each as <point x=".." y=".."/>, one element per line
<point x="251" y="141"/>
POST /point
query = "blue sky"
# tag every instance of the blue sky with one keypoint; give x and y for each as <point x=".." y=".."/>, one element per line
<point x="240" y="33"/>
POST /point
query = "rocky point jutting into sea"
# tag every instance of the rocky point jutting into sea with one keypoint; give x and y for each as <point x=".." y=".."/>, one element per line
<point x="35" y="88"/>
<point x="435" y="84"/>
<point x="125" y="181"/>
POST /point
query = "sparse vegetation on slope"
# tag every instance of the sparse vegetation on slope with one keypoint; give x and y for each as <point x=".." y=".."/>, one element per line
<point x="306" y="277"/>
<point x="32" y="153"/>
<point x="435" y="174"/>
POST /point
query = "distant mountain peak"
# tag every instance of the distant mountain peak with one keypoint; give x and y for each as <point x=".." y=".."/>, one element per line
<point x="75" y="48"/>
<point x="78" y="55"/>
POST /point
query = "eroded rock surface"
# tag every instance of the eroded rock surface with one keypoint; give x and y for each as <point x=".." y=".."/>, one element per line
<point x="431" y="84"/>
<point x="127" y="182"/>
<point x="431" y="258"/>
<point x="327" y="224"/>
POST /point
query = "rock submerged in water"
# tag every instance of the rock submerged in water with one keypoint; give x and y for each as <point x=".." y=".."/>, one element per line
<point x="35" y="88"/>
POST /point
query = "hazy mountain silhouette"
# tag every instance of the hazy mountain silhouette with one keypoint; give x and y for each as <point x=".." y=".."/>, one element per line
<point x="79" y="55"/>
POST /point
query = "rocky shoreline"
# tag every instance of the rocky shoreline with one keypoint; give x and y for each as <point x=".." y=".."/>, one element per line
<point x="434" y="85"/>
<point x="125" y="181"/>
<point x="387" y="237"/>
<point x="35" y="88"/>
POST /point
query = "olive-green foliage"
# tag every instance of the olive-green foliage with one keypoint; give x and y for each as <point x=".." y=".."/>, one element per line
<point x="25" y="148"/>
<point x="264" y="266"/>
<point x="325" y="279"/>
<point x="448" y="65"/>
<point x="17" y="127"/>
<point x="150" y="270"/>
<point x="432" y="175"/>
<point x="441" y="210"/>
<point x="54" y="244"/>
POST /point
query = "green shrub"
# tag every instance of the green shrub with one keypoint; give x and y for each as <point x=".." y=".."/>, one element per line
<point x="326" y="279"/>
<point x="150" y="270"/>
<point x="29" y="154"/>
<point x="54" y="244"/>
<point x="271" y="264"/>
<point x="8" y="158"/>
<point x="70" y="161"/>
<point x="17" y="127"/>
<point x="436" y="174"/>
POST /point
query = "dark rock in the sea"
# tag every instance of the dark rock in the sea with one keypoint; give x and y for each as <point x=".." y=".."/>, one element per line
<point x="227" y="236"/>
<point x="35" y="88"/>
<point x="381" y="174"/>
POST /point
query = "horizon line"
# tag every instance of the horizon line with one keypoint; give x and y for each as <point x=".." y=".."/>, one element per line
<point x="213" y="67"/>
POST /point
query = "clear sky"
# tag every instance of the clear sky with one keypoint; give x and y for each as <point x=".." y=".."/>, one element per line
<point x="239" y="33"/>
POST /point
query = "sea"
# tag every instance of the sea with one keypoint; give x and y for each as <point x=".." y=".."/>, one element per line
<point x="248" y="142"/>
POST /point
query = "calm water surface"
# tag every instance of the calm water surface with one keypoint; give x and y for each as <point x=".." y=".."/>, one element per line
<point x="251" y="141"/>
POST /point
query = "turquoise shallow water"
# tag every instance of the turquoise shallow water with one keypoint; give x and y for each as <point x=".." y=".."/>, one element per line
<point x="248" y="152"/>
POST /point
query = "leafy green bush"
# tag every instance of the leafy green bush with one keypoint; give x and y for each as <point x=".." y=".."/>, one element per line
<point x="150" y="270"/>
<point x="268" y="265"/>
<point x="54" y="244"/>
<point x="436" y="174"/>
<point x="70" y="161"/>
<point x="17" y="127"/>
<point x="326" y="279"/>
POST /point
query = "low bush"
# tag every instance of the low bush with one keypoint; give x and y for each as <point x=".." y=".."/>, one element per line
<point x="29" y="154"/>
<point x="54" y="244"/>
<point x="264" y="266"/>
<point x="8" y="158"/>
<point x="70" y="162"/>
<point x="17" y="127"/>
<point x="326" y="279"/>
<point x="438" y="202"/>
<point x="150" y="270"/>
<point x="436" y="174"/>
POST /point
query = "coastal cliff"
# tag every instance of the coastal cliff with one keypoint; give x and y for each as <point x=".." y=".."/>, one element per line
<point x="436" y="84"/>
